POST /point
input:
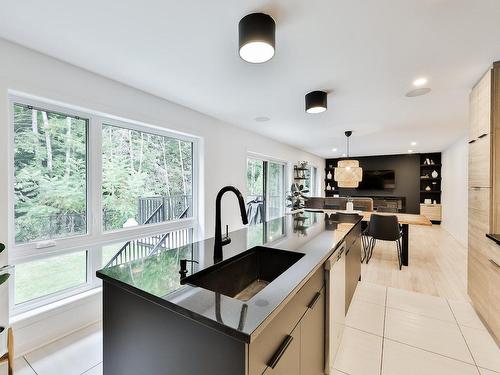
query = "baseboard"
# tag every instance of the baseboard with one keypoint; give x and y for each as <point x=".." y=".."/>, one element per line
<point x="34" y="330"/>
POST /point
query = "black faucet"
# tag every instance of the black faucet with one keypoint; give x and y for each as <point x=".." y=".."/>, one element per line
<point x="218" y="230"/>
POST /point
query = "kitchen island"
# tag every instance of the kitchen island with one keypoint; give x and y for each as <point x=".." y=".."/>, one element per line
<point x="156" y="323"/>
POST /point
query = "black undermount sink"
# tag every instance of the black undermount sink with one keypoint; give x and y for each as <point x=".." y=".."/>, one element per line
<point x="245" y="274"/>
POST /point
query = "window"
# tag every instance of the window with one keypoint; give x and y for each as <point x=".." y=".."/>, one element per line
<point x="147" y="178"/>
<point x="265" y="190"/>
<point x="81" y="181"/>
<point x="311" y="182"/>
<point x="50" y="171"/>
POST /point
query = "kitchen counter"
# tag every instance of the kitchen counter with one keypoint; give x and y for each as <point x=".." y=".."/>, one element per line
<point x="156" y="278"/>
<point x="494" y="237"/>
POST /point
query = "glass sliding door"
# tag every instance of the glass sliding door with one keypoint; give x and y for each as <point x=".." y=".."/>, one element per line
<point x="265" y="190"/>
<point x="275" y="190"/>
<point x="255" y="191"/>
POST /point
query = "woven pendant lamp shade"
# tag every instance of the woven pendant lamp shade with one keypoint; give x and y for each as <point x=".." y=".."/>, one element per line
<point x="348" y="173"/>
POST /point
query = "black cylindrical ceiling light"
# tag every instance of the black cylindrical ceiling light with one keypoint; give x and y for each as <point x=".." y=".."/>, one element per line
<point x="257" y="37"/>
<point x="316" y="102"/>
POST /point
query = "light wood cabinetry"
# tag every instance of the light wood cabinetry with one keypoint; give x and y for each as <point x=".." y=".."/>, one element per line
<point x="306" y="307"/>
<point x="312" y="339"/>
<point x="431" y="211"/>
<point x="483" y="254"/>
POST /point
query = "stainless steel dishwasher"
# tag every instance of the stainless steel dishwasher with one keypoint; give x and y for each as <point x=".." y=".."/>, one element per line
<point x="335" y="305"/>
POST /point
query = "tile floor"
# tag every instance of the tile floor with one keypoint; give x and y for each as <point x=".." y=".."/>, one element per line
<point x="392" y="331"/>
<point x="388" y="332"/>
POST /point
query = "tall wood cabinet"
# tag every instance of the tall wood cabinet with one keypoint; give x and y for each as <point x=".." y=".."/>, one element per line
<point x="484" y="195"/>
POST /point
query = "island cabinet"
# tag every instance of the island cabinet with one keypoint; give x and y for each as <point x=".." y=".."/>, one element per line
<point x="353" y="264"/>
<point x="293" y="342"/>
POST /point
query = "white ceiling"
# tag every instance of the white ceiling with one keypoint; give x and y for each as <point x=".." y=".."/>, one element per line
<point x="366" y="52"/>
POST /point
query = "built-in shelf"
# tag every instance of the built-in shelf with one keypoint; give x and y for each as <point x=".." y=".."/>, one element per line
<point x="430" y="165"/>
<point x="430" y="179"/>
<point x="431" y="191"/>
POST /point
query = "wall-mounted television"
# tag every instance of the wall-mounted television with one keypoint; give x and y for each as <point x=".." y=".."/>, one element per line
<point x="378" y="180"/>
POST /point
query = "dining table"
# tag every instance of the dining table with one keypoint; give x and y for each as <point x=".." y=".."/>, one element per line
<point x="404" y="219"/>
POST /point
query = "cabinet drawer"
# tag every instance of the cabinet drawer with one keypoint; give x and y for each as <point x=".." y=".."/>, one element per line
<point x="480" y="162"/>
<point x="431" y="211"/>
<point x="269" y="340"/>
<point x="288" y="362"/>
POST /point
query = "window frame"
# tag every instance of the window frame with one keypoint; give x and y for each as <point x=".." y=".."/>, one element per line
<point x="95" y="237"/>
<point x="266" y="160"/>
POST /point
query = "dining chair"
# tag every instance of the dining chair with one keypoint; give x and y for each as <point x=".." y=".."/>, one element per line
<point x="387" y="209"/>
<point x="383" y="228"/>
<point x="363" y="204"/>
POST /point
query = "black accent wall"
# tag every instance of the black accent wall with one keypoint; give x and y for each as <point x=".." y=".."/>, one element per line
<point x="407" y="171"/>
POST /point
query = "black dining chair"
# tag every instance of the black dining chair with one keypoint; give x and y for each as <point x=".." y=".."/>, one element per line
<point x="383" y="228"/>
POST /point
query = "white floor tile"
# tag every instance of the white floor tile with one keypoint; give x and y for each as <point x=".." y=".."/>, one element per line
<point x="367" y="317"/>
<point x="434" y="335"/>
<point x="359" y="353"/>
<point x="466" y="315"/>
<point x="97" y="370"/>
<point x="372" y="293"/>
<point x="403" y="359"/>
<point x="71" y="355"/>
<point x="418" y="303"/>
<point x="484" y="349"/>
<point x="21" y="367"/>
<point x="487" y="372"/>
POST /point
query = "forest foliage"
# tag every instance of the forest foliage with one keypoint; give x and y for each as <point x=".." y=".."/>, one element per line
<point x="51" y="173"/>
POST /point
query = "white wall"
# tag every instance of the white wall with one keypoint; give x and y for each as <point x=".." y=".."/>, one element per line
<point x="455" y="189"/>
<point x="225" y="147"/>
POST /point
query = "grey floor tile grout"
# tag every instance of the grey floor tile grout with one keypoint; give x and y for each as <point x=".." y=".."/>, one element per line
<point x="29" y="364"/>
<point x="463" y="336"/>
<point x="87" y="370"/>
<point x="383" y="334"/>
<point x="430" y="351"/>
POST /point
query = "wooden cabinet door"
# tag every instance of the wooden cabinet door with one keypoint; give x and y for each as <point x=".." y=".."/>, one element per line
<point x="288" y="363"/>
<point x="493" y="259"/>
<point x="312" y="338"/>
<point x="479" y="214"/>
<point x="480" y="162"/>
<point x="478" y="280"/>
<point x="353" y="270"/>
<point x="483" y="110"/>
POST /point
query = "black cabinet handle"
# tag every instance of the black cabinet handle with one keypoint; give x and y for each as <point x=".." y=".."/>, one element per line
<point x="470" y="142"/>
<point x="494" y="263"/>
<point x="279" y="353"/>
<point x="314" y="300"/>
<point x="483" y="135"/>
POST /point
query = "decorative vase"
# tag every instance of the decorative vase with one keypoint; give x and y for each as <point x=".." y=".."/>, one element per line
<point x="434" y="174"/>
<point x="329" y="175"/>
<point x="328" y="187"/>
<point x="428" y="188"/>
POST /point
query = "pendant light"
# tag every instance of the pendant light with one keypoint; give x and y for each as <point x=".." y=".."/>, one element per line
<point x="348" y="173"/>
<point x="316" y="102"/>
<point x="257" y="37"/>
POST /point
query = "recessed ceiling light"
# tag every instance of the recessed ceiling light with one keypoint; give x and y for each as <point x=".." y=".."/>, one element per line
<point x="262" y="119"/>
<point x="257" y="37"/>
<point x="334" y="149"/>
<point x="414" y="143"/>
<point x="418" y="92"/>
<point x="419" y="82"/>
<point x="343" y="155"/>
<point x="316" y="102"/>
<point x="410" y="151"/>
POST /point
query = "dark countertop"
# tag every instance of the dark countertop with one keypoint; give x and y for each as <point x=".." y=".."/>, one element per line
<point x="157" y="278"/>
<point x="494" y="237"/>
